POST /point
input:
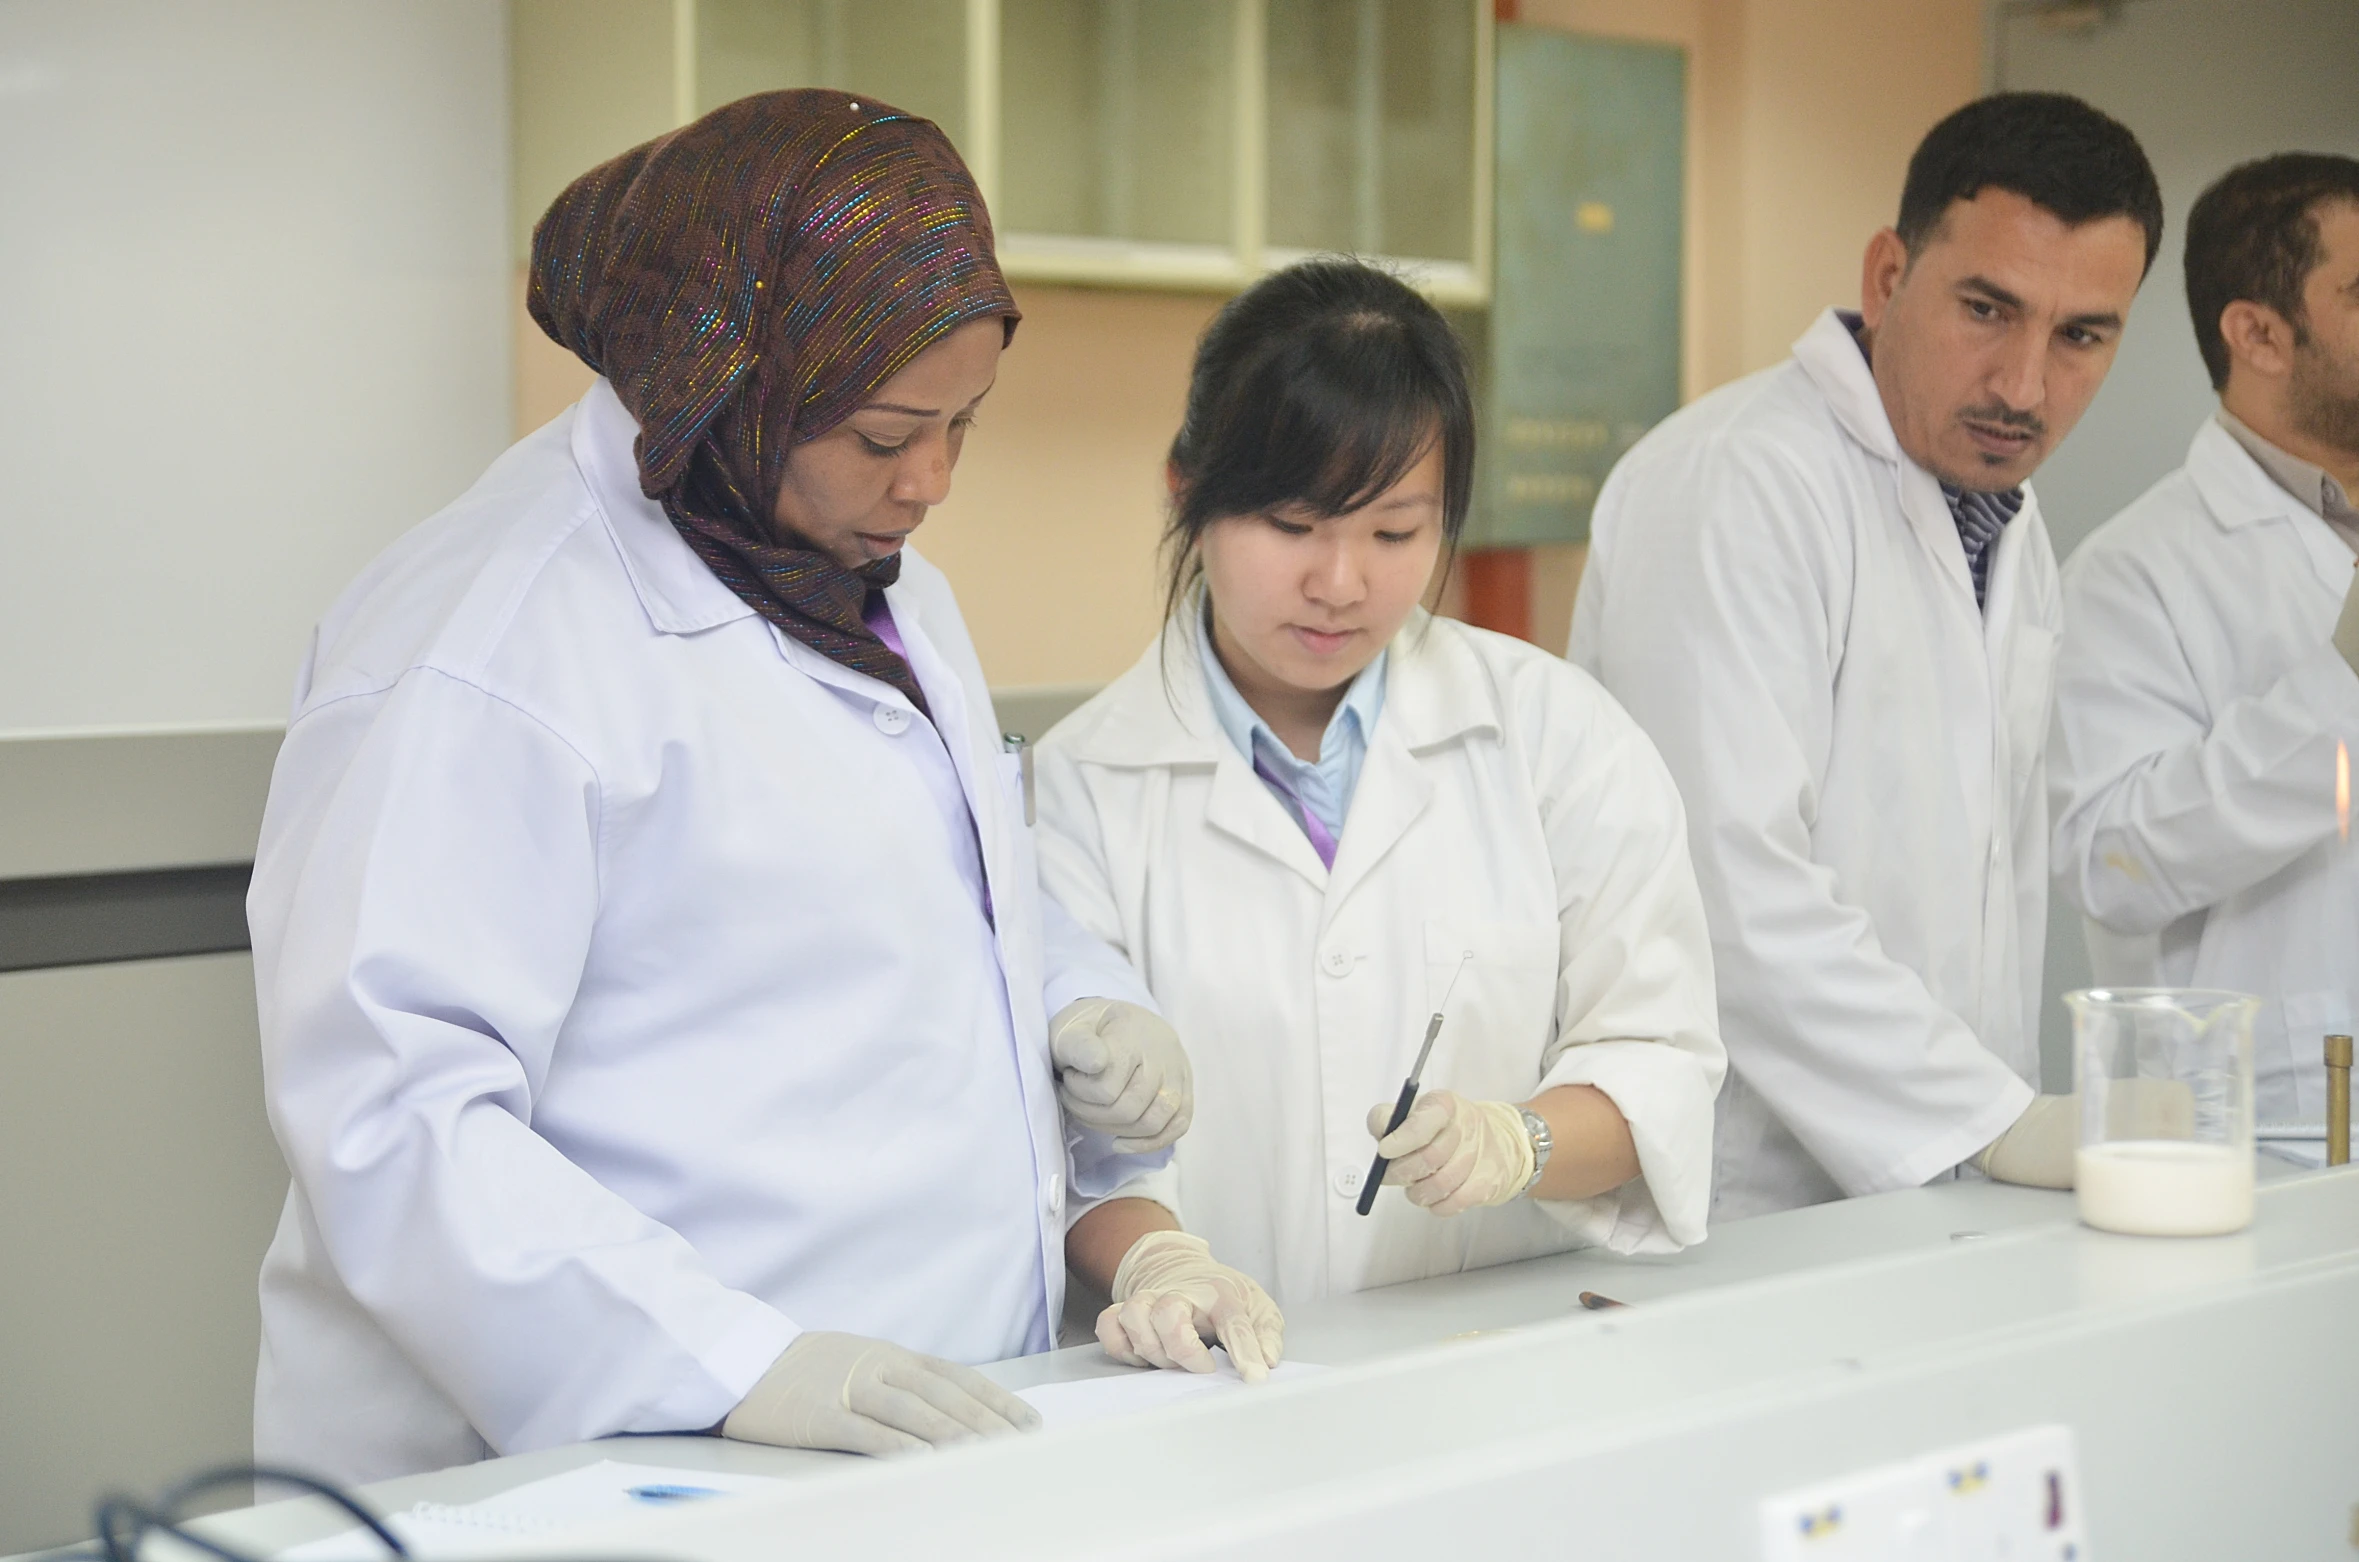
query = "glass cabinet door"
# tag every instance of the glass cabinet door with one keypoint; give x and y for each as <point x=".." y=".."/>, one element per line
<point x="909" y="53"/>
<point x="1156" y="143"/>
<point x="1118" y="120"/>
<point x="1371" y="109"/>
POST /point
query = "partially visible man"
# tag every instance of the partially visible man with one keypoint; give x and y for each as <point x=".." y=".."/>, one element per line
<point x="1828" y="596"/>
<point x="2212" y="637"/>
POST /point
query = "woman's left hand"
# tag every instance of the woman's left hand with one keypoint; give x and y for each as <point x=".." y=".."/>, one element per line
<point x="1453" y="1154"/>
<point x="1171" y="1295"/>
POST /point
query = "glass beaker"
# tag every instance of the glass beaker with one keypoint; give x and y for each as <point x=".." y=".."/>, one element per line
<point x="2164" y="1077"/>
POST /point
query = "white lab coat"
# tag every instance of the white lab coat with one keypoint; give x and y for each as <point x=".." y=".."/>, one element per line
<point x="1505" y="806"/>
<point x="2198" y="703"/>
<point x="629" y="999"/>
<point x="1779" y="596"/>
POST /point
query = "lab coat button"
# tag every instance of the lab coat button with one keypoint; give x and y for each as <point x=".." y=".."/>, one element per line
<point x="1337" y="962"/>
<point x="1347" y="1181"/>
<point x="1052" y="1194"/>
<point x="892" y="720"/>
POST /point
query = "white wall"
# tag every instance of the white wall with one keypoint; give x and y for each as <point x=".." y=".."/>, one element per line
<point x="253" y="323"/>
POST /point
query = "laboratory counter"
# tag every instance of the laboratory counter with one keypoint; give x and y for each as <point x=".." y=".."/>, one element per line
<point x="1786" y="1350"/>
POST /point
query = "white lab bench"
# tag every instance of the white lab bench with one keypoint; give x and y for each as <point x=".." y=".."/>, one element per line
<point x="2211" y="1384"/>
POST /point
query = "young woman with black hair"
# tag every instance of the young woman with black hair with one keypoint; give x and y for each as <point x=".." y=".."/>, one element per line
<point x="1312" y="815"/>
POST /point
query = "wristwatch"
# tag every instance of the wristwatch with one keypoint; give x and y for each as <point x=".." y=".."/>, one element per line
<point x="1542" y="1142"/>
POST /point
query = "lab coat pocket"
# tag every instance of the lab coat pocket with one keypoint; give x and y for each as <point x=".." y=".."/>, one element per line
<point x="1501" y="1016"/>
<point x="2031" y="689"/>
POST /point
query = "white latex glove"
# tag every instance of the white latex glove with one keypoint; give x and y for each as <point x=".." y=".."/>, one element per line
<point x="1453" y="1154"/>
<point x="2038" y="1150"/>
<point x="1170" y="1296"/>
<point x="866" y="1396"/>
<point x="2346" y="628"/>
<point x="1122" y="1071"/>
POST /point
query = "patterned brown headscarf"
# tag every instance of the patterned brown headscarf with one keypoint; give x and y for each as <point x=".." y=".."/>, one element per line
<point x="745" y="284"/>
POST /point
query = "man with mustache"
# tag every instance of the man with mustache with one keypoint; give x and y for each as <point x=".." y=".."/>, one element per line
<point x="2206" y="680"/>
<point x="1827" y="595"/>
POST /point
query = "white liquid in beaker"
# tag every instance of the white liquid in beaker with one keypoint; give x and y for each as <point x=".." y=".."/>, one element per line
<point x="2164" y="1187"/>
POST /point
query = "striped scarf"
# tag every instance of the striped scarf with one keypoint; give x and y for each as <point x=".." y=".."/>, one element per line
<point x="746" y="283"/>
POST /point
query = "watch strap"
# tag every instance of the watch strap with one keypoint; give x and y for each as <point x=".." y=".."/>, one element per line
<point x="1543" y="1141"/>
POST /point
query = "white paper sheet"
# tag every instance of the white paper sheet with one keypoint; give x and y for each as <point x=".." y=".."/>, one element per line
<point x="606" y="1490"/>
<point x="1133" y="1393"/>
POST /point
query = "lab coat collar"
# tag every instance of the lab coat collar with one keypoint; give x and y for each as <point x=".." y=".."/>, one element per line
<point x="2239" y="493"/>
<point x="1161" y="713"/>
<point x="1435" y="691"/>
<point x="678" y="590"/>
<point x="1830" y="355"/>
<point x="1185" y="725"/>
<point x="680" y="594"/>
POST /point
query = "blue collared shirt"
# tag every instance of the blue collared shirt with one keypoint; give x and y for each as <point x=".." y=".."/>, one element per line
<point x="1325" y="784"/>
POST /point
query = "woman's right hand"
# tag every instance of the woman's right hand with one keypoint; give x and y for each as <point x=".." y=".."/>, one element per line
<point x="1454" y="1154"/>
<point x="864" y="1396"/>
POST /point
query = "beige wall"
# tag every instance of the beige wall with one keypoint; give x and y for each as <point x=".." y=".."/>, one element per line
<point x="1801" y="117"/>
<point x="1050" y="533"/>
<point x="1833" y="96"/>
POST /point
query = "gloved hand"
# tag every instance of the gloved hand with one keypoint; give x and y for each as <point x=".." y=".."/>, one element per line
<point x="1122" y="1071"/>
<point x="2038" y="1150"/>
<point x="1453" y="1154"/>
<point x="867" y="1396"/>
<point x="2346" y="628"/>
<point x="1170" y="1295"/>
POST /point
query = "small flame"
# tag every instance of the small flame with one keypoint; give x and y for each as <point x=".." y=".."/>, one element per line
<point x="2342" y="790"/>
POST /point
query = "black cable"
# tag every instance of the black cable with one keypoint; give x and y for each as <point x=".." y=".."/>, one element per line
<point x="229" y="1475"/>
<point x="124" y="1523"/>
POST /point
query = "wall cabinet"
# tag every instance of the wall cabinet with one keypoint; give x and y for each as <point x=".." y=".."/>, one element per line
<point x="1158" y="143"/>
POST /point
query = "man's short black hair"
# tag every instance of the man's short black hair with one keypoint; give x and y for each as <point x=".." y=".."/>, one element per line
<point x="2254" y="236"/>
<point x="2050" y="148"/>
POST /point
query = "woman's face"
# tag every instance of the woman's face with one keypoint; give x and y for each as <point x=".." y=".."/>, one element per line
<point x="857" y="491"/>
<point x="1307" y="601"/>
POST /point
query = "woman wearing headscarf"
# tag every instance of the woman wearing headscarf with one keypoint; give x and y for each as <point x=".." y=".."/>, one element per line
<point x="660" y="1018"/>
